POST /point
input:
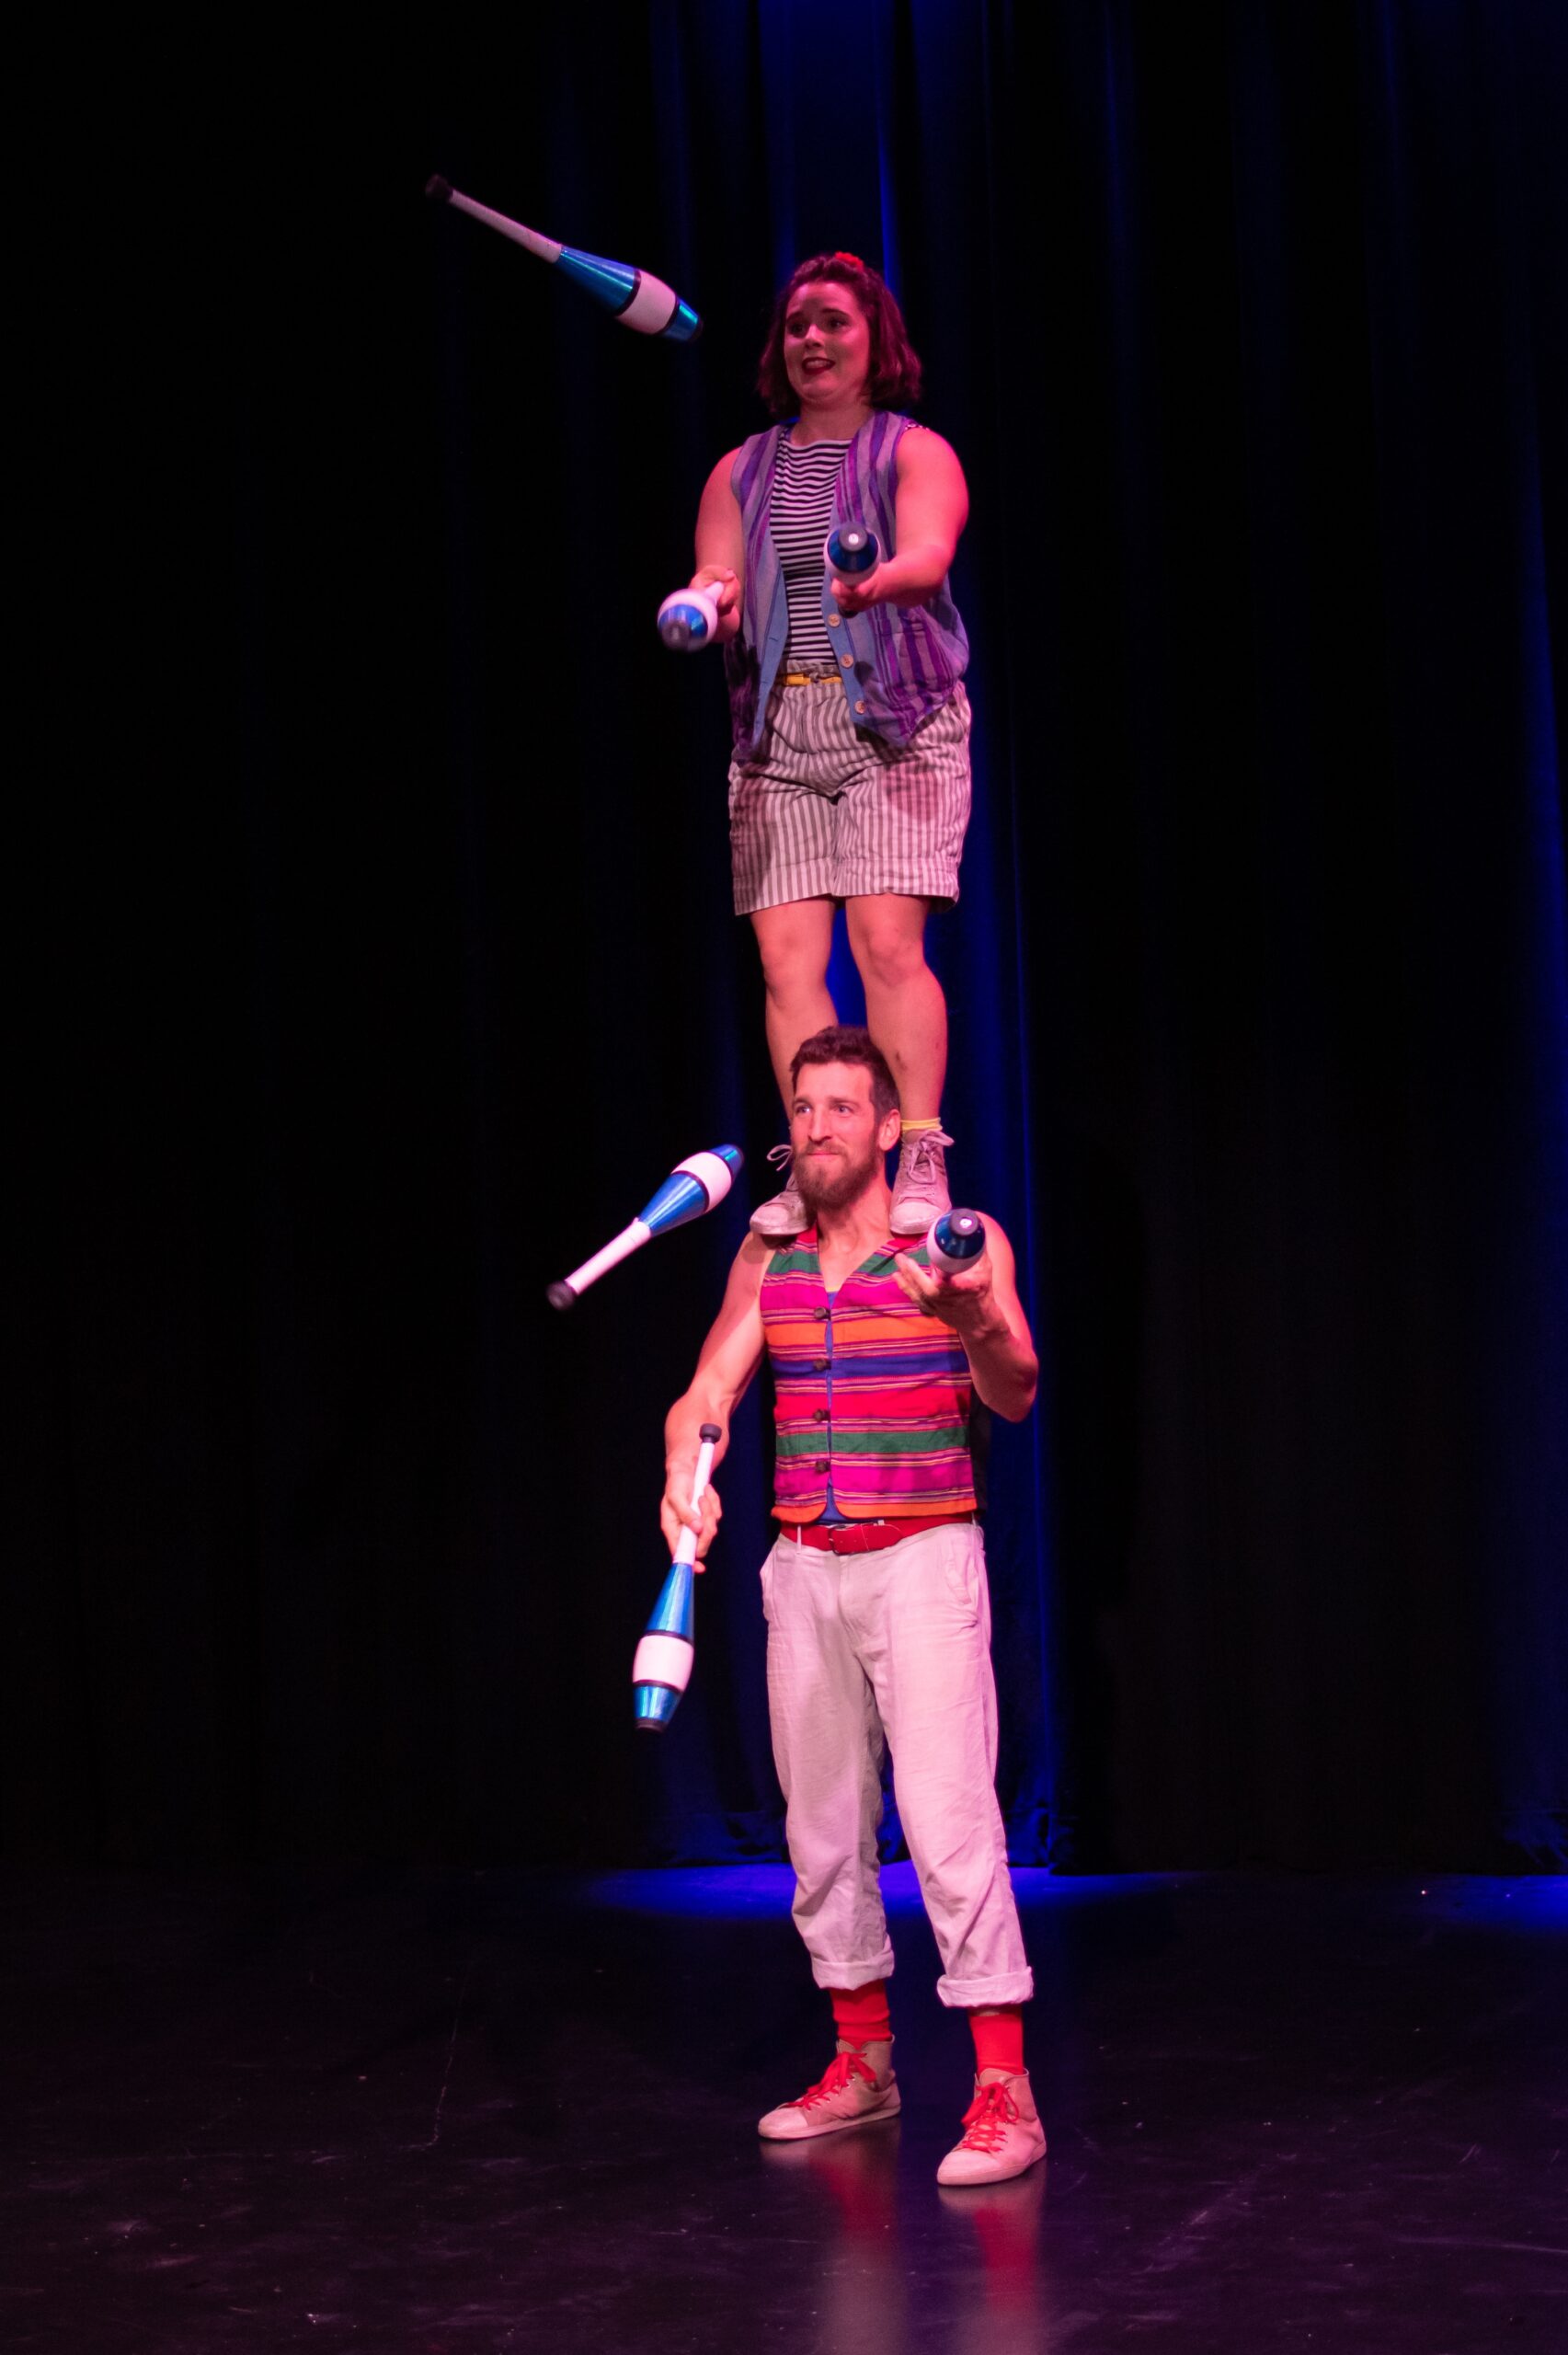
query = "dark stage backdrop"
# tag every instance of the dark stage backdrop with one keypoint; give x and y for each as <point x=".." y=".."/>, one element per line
<point x="384" y="957"/>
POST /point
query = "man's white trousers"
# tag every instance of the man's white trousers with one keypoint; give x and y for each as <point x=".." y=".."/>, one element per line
<point x="892" y="1650"/>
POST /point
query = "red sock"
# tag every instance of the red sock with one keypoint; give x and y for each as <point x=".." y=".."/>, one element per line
<point x="860" y="2014"/>
<point x="998" y="2038"/>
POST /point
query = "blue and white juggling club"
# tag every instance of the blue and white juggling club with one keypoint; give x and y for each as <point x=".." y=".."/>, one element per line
<point x="662" y="1662"/>
<point x="695" y="1186"/>
<point x="852" y="551"/>
<point x="635" y="296"/>
<point x="955" y="1240"/>
<point x="687" y="619"/>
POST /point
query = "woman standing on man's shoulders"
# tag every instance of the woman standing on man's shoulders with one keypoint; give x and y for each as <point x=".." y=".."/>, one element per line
<point x="850" y="779"/>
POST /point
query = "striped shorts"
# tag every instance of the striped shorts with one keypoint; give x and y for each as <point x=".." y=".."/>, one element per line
<point x="827" y="811"/>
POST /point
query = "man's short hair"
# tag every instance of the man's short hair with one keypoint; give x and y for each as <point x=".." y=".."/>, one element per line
<point x="850" y="1042"/>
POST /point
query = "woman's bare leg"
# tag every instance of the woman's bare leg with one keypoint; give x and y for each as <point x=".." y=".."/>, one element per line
<point x="795" y="941"/>
<point x="905" y="1010"/>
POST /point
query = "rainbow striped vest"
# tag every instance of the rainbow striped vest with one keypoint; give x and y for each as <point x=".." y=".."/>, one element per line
<point x="897" y="1440"/>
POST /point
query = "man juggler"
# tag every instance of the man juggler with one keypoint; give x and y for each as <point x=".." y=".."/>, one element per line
<point x="875" y="1593"/>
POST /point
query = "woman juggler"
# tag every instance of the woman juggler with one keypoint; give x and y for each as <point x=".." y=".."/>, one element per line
<point x="849" y="782"/>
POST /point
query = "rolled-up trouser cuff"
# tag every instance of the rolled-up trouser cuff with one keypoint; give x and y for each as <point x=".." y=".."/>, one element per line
<point x="850" y="1975"/>
<point x="969" y="1995"/>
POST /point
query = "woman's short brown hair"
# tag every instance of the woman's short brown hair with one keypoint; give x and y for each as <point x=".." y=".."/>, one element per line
<point x="894" y="381"/>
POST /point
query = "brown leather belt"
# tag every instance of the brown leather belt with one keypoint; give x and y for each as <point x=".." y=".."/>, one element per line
<point x="866" y="1536"/>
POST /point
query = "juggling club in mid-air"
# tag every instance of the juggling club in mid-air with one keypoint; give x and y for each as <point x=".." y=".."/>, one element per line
<point x="955" y="1240"/>
<point x="853" y="552"/>
<point x="695" y="1185"/>
<point x="662" y="1662"/>
<point x="635" y="296"/>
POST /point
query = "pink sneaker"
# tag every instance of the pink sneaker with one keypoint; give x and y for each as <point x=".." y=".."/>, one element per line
<point x="848" y="2095"/>
<point x="1003" y="2135"/>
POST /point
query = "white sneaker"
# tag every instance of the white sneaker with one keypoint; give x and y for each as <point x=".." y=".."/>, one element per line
<point x="1003" y="2134"/>
<point x="920" y="1183"/>
<point x="785" y="1214"/>
<point x="848" y="2095"/>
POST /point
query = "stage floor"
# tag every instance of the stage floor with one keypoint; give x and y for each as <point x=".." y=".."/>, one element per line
<point x="499" y="2111"/>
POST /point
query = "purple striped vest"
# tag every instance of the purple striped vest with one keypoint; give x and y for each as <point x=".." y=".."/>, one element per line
<point x="896" y="1439"/>
<point x="903" y="662"/>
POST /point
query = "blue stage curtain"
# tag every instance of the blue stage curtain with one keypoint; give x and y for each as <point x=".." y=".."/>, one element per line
<point x="392" y="948"/>
<point x="1248" y="325"/>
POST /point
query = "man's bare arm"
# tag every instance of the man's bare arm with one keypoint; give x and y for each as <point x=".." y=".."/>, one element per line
<point x="726" y="1364"/>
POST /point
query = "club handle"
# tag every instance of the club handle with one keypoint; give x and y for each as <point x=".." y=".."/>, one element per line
<point x="710" y="1435"/>
<point x="443" y="192"/>
<point x="571" y="1287"/>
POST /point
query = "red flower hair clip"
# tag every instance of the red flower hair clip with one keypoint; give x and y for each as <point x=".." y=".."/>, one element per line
<point x="841" y="256"/>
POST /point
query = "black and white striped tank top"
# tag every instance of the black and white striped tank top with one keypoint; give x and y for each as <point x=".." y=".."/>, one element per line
<point x="799" y="520"/>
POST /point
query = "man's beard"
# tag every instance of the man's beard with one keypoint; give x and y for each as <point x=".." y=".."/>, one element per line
<point x="827" y="1182"/>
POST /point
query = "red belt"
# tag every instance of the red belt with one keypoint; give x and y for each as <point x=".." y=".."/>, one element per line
<point x="866" y="1536"/>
